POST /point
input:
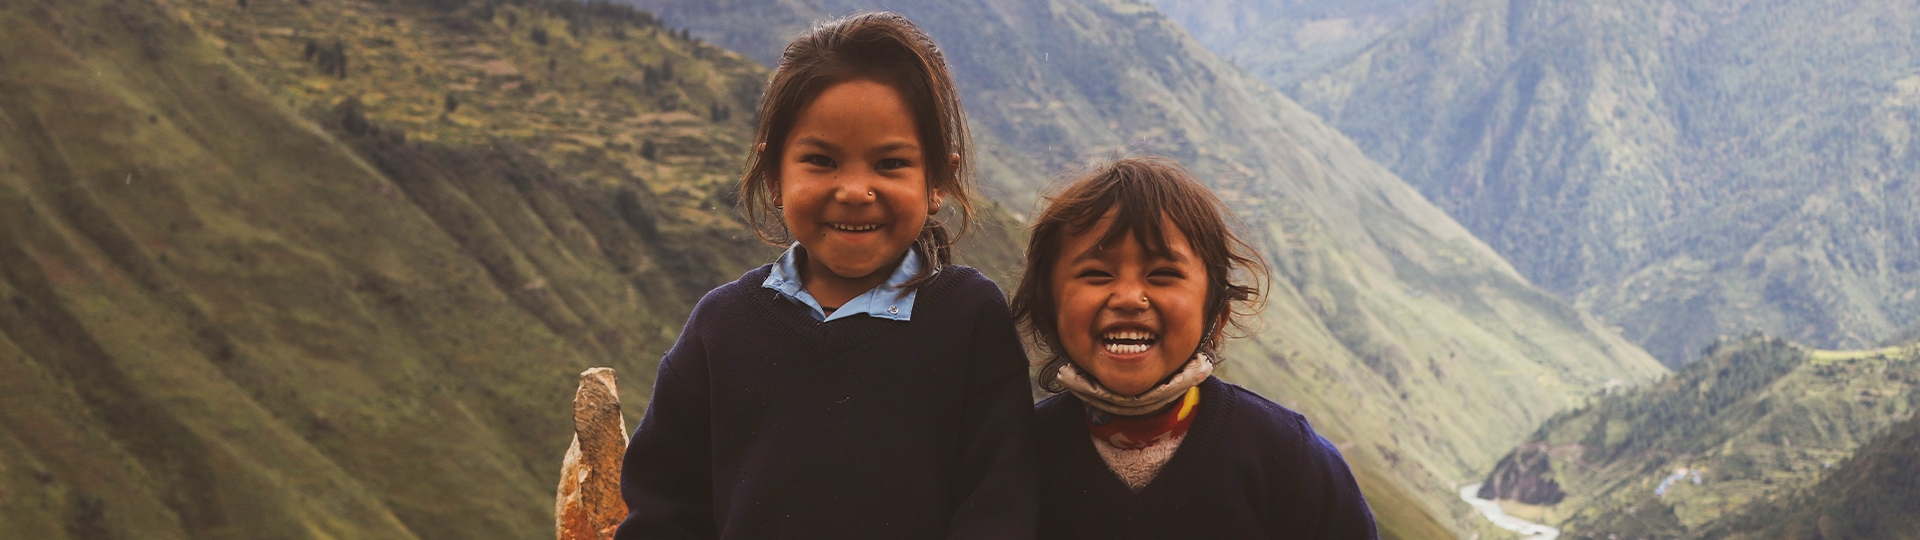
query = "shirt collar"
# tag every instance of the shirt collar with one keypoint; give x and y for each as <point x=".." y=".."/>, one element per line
<point x="887" y="301"/>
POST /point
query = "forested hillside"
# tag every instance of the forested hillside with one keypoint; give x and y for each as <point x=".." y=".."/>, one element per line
<point x="1406" y="340"/>
<point x="1871" y="495"/>
<point x="1682" y="169"/>
<point x="1756" y="426"/>
<point x="329" y="269"/>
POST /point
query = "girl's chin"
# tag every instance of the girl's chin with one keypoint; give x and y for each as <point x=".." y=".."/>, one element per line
<point x="1127" y="377"/>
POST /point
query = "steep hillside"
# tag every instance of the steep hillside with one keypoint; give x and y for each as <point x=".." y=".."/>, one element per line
<point x="1280" y="41"/>
<point x="1748" y="427"/>
<point x="1909" y="336"/>
<point x="1683" y="169"/>
<point x="291" y="269"/>
<point x="1874" y="494"/>
<point x="1406" y="340"/>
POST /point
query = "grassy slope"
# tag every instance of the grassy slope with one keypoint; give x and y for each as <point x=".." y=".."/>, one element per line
<point x="1406" y="340"/>
<point x="1682" y="169"/>
<point x="1871" y="495"/>
<point x="226" y="311"/>
<point x="1759" y="420"/>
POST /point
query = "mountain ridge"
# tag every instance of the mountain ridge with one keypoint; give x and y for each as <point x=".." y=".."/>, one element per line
<point x="1684" y="170"/>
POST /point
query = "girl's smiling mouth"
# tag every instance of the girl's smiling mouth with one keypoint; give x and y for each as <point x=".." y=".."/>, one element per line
<point x="854" y="227"/>
<point x="1127" y="342"/>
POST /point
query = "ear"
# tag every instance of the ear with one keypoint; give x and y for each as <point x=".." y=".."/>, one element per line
<point x="953" y="164"/>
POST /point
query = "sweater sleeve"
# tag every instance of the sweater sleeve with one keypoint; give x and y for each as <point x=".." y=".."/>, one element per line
<point x="1339" y="510"/>
<point x="996" y="486"/>
<point x="666" y="475"/>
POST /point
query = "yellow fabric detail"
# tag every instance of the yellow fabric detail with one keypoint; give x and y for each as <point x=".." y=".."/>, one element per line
<point x="1186" y="405"/>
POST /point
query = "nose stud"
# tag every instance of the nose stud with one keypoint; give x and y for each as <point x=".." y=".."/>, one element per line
<point x="869" y="193"/>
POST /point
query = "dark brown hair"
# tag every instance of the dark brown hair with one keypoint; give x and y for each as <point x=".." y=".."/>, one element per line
<point x="887" y="48"/>
<point x="1143" y="193"/>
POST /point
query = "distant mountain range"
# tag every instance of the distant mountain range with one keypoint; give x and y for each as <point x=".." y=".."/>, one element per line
<point x="1407" y="340"/>
<point x="1683" y="169"/>
<point x="1280" y="41"/>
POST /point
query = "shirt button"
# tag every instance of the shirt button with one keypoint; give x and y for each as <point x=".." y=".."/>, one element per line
<point x="893" y="310"/>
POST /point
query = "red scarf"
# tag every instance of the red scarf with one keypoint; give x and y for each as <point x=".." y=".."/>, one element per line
<point x="1136" y="432"/>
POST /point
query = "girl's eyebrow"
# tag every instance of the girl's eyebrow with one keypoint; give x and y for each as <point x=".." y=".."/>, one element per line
<point x="897" y="145"/>
<point x="823" y="144"/>
<point x="817" y="142"/>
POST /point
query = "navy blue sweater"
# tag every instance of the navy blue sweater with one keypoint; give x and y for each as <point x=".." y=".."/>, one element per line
<point x="1248" y="468"/>
<point x="766" y="423"/>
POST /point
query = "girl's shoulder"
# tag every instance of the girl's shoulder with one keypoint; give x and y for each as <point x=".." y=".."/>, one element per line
<point x="962" y="287"/>
<point x="1253" y="414"/>
<point x="736" y="290"/>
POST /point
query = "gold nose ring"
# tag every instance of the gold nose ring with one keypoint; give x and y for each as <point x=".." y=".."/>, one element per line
<point x="869" y="193"/>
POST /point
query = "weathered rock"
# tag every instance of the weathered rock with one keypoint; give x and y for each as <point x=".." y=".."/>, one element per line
<point x="589" y="506"/>
<point x="1524" y="475"/>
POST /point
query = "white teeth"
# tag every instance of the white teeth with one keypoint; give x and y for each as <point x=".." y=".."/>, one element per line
<point x="1117" y="348"/>
<point x="1128" y="335"/>
<point x="854" y="228"/>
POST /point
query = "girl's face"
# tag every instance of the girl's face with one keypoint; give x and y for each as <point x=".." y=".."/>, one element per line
<point x="1126" y="316"/>
<point x="853" y="180"/>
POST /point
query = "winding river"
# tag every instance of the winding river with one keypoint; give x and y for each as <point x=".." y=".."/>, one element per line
<point x="1490" y="509"/>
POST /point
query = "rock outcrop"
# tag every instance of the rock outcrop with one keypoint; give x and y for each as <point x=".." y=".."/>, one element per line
<point x="589" y="506"/>
<point x="1525" y="475"/>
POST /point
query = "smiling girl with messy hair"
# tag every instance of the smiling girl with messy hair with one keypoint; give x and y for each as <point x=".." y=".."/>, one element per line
<point x="1133" y="278"/>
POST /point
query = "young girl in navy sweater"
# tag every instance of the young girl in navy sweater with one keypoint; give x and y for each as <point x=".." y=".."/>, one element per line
<point x="1132" y="277"/>
<point x="861" y="386"/>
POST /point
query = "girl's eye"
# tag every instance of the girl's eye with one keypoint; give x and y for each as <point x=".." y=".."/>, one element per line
<point x="1166" y="273"/>
<point x="891" y="164"/>
<point x="1093" y="274"/>
<point x="817" y="160"/>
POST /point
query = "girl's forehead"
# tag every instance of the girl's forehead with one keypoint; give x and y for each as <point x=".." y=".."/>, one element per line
<point x="1107" y="233"/>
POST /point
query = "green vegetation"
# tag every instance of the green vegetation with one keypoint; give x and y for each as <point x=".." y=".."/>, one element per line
<point x="1871" y="495"/>
<point x="1724" y="443"/>
<point x="1406" y="340"/>
<point x="1682" y="169"/>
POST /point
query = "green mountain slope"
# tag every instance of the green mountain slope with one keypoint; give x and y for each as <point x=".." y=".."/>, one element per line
<point x="1746" y="428"/>
<point x="291" y="269"/>
<point x="1874" y="494"/>
<point x="1280" y="41"/>
<point x="1683" y="169"/>
<point x="1409" y="342"/>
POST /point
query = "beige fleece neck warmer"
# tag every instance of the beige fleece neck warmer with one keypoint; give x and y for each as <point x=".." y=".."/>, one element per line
<point x="1197" y="369"/>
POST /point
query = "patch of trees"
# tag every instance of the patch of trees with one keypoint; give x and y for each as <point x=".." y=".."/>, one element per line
<point x="580" y="15"/>
<point x="1672" y="416"/>
<point x="330" y="58"/>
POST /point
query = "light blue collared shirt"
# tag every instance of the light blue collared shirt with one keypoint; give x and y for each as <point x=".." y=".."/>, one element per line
<point x="887" y="301"/>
